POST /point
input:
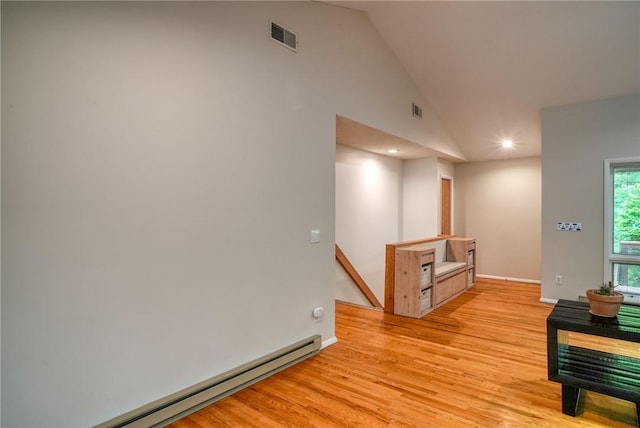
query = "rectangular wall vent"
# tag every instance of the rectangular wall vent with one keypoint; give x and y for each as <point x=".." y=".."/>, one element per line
<point x="417" y="111"/>
<point x="284" y="36"/>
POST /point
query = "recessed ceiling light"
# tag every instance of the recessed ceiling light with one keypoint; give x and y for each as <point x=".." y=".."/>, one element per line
<point x="507" y="143"/>
<point x="393" y="151"/>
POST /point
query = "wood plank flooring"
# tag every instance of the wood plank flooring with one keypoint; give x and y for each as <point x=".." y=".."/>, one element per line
<point x="478" y="361"/>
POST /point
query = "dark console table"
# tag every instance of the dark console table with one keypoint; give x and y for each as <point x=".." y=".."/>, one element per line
<point x="577" y="367"/>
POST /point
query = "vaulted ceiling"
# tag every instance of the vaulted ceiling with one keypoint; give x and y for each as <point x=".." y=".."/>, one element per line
<point x="488" y="68"/>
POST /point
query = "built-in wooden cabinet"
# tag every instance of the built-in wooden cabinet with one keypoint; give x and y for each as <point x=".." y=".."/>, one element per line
<point x="464" y="250"/>
<point x="414" y="278"/>
<point x="420" y="276"/>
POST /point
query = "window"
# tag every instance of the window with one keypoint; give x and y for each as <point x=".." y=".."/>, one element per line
<point x="622" y="223"/>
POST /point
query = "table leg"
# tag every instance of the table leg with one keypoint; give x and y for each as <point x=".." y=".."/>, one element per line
<point x="570" y="399"/>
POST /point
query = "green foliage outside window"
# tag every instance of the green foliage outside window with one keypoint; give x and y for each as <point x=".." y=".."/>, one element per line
<point x="626" y="215"/>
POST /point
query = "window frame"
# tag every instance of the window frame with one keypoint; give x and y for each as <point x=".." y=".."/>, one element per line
<point x="609" y="256"/>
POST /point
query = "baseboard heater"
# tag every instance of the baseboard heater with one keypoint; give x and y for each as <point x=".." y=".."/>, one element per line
<point x="178" y="405"/>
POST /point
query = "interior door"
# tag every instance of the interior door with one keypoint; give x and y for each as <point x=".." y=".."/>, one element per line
<point x="445" y="210"/>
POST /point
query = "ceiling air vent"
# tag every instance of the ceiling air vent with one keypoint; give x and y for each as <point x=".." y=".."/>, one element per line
<point x="417" y="111"/>
<point x="284" y="36"/>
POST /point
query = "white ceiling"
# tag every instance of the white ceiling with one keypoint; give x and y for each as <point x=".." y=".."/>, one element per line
<point x="488" y="68"/>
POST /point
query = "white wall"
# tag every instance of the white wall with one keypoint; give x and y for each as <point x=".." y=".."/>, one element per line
<point x="163" y="165"/>
<point x="420" y="200"/>
<point x="368" y="192"/>
<point x="576" y="139"/>
<point x="498" y="203"/>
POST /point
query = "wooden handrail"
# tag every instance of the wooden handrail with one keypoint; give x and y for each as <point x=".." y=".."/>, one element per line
<point x="357" y="279"/>
<point x="421" y="241"/>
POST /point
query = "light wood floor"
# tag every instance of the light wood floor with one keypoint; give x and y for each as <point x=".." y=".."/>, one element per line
<point x="478" y="361"/>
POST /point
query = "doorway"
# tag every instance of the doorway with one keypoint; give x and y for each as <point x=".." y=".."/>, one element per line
<point x="445" y="208"/>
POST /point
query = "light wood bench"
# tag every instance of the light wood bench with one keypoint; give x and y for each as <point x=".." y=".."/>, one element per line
<point x="451" y="280"/>
<point x="450" y="277"/>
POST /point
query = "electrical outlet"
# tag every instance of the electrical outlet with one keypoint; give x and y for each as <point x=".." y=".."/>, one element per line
<point x="315" y="236"/>
<point x="558" y="279"/>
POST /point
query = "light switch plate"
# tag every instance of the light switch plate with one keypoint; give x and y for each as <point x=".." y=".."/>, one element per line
<point x="315" y="236"/>
<point x="569" y="226"/>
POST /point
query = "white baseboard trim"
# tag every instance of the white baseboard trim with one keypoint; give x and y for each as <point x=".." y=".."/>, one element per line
<point x="331" y="341"/>
<point x="546" y="300"/>
<point x="506" y="278"/>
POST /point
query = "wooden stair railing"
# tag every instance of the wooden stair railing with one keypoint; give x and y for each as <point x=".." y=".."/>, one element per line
<point x="357" y="279"/>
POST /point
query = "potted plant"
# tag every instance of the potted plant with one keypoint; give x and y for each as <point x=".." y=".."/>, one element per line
<point x="605" y="301"/>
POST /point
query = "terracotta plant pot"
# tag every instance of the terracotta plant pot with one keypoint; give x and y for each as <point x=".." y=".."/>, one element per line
<point x="604" y="305"/>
